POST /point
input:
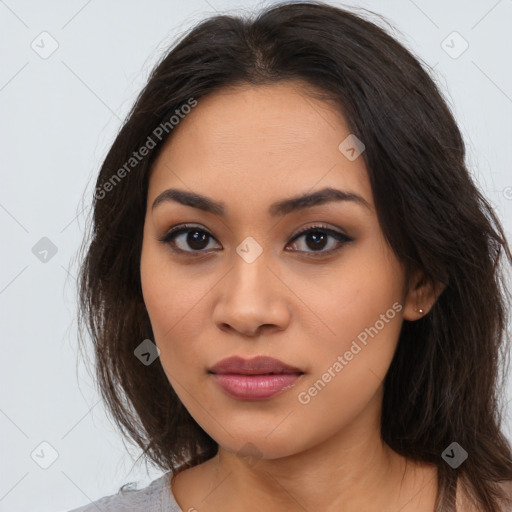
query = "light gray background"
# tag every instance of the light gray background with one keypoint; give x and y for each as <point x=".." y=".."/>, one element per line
<point x="58" y="117"/>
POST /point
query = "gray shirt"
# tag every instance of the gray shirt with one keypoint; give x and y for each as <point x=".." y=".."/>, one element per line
<point x="156" y="497"/>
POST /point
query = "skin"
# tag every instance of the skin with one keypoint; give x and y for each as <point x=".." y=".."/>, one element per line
<point x="249" y="146"/>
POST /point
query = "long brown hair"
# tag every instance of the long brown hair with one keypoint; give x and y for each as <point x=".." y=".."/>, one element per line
<point x="444" y="384"/>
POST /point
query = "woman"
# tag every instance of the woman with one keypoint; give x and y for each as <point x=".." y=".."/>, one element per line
<point x="293" y="285"/>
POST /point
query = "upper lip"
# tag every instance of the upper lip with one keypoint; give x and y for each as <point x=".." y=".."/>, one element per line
<point x="256" y="366"/>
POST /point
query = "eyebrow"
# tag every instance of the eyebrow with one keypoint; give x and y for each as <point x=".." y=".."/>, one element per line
<point x="277" y="209"/>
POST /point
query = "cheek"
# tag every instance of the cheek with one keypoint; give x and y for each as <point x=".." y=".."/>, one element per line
<point x="357" y="296"/>
<point x="168" y="294"/>
<point x="364" y="314"/>
<point x="175" y="300"/>
<point x="175" y="303"/>
<point x="173" y="328"/>
<point x="348" y="377"/>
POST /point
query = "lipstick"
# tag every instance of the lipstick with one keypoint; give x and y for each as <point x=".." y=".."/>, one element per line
<point x="258" y="378"/>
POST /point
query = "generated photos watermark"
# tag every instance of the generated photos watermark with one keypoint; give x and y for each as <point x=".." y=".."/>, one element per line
<point x="145" y="149"/>
<point x="305" y="397"/>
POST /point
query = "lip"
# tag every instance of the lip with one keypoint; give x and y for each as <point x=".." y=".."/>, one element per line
<point x="258" y="378"/>
<point x="259" y="365"/>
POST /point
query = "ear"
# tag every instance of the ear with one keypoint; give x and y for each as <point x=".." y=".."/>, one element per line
<point x="422" y="294"/>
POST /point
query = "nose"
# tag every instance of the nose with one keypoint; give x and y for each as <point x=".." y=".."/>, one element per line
<point x="252" y="299"/>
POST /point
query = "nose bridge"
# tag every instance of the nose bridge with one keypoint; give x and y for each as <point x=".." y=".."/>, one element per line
<point x="251" y="296"/>
<point x="250" y="273"/>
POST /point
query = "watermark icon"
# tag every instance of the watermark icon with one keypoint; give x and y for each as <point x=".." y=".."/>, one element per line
<point x="454" y="45"/>
<point x="351" y="147"/>
<point x="44" y="455"/>
<point x="145" y="149"/>
<point x="304" y="397"/>
<point x="44" y="45"/>
<point x="250" y="453"/>
<point x="454" y="455"/>
<point x="147" y="352"/>
<point x="44" y="250"/>
<point x="249" y="249"/>
<point x="507" y="192"/>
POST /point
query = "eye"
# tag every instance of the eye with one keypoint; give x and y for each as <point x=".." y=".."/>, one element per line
<point x="315" y="237"/>
<point x="195" y="238"/>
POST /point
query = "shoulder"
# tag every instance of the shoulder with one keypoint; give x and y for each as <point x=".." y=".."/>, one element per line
<point x="152" y="498"/>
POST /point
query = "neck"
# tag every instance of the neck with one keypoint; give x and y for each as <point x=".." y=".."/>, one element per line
<point x="353" y="470"/>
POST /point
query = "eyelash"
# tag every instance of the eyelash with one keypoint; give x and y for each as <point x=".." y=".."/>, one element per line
<point x="340" y="237"/>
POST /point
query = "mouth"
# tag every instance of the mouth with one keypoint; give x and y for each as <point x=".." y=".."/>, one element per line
<point x="259" y="378"/>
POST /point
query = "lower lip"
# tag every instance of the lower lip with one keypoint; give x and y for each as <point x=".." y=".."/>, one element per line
<point x="255" y="387"/>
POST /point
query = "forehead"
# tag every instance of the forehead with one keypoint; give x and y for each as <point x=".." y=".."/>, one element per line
<point x="259" y="144"/>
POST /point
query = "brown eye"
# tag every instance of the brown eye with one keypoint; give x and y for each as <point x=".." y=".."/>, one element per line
<point x="316" y="238"/>
<point x="194" y="240"/>
<point x="183" y="238"/>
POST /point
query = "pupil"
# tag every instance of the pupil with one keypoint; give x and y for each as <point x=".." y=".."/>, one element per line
<point x="192" y="239"/>
<point x="315" y="235"/>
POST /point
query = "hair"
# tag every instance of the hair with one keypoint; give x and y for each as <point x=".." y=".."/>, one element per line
<point x="443" y="383"/>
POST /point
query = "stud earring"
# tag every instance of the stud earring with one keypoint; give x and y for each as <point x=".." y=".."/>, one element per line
<point x="419" y="310"/>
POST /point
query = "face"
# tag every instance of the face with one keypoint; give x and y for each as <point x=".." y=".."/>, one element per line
<point x="243" y="282"/>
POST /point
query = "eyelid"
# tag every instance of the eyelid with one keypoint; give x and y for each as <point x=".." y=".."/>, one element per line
<point x="180" y="229"/>
<point x="341" y="237"/>
<point x="320" y="227"/>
